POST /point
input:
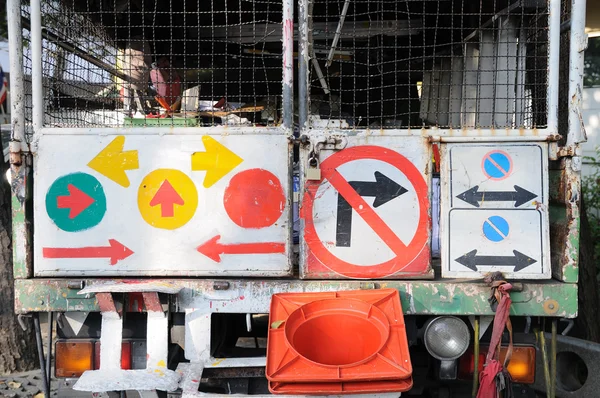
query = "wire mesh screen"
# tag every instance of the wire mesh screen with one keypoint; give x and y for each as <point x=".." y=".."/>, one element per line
<point x="148" y="62"/>
<point x="27" y="71"/>
<point x="424" y="63"/>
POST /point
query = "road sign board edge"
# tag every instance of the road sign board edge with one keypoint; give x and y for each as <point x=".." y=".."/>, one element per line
<point x="306" y="205"/>
<point x="546" y="273"/>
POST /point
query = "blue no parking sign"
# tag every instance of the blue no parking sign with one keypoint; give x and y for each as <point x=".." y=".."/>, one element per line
<point x="496" y="228"/>
<point x="497" y="165"/>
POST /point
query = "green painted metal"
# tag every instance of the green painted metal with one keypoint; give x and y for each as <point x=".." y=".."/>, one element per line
<point x="565" y="191"/>
<point x="570" y="271"/>
<point x="568" y="267"/>
<point x="418" y="297"/>
<point x="21" y="237"/>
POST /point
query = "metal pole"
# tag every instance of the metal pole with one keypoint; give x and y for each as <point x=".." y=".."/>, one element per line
<point x="17" y="144"/>
<point x="303" y="59"/>
<point x="17" y="82"/>
<point x="40" y="348"/>
<point x="37" y="88"/>
<point x="542" y="341"/>
<point x="288" y="65"/>
<point x="338" y="33"/>
<point x="49" y="352"/>
<point x="553" y="63"/>
<point x="475" y="358"/>
<point x="578" y="43"/>
<point x="553" y="360"/>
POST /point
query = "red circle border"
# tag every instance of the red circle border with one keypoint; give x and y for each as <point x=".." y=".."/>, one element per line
<point x="414" y="248"/>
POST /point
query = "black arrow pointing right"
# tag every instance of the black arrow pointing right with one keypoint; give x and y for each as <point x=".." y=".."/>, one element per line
<point x="473" y="197"/>
<point x="519" y="260"/>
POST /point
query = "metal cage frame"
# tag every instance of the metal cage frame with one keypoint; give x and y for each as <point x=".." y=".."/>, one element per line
<point x="465" y="134"/>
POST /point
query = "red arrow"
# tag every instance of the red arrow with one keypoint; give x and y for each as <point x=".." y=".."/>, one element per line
<point x="77" y="201"/>
<point x="116" y="251"/>
<point x="213" y="249"/>
<point x="167" y="197"/>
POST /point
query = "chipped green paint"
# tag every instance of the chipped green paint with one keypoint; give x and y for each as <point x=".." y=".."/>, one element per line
<point x="571" y="270"/>
<point x="565" y="191"/>
<point x="21" y="238"/>
<point x="555" y="176"/>
<point x="568" y="270"/>
<point x="418" y="297"/>
<point x="20" y="269"/>
<point x="558" y="214"/>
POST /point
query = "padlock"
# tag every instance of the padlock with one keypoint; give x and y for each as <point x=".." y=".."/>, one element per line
<point x="313" y="173"/>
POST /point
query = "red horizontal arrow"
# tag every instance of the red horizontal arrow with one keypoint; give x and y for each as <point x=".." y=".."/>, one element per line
<point x="116" y="251"/>
<point x="77" y="201"/>
<point x="167" y="197"/>
<point x="213" y="249"/>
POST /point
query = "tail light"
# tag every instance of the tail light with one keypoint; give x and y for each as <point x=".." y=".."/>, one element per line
<point x="73" y="357"/>
<point x="521" y="366"/>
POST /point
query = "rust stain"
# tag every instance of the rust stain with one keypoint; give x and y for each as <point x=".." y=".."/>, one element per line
<point x="551" y="306"/>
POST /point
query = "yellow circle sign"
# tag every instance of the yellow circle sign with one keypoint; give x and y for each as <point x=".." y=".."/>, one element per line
<point x="167" y="198"/>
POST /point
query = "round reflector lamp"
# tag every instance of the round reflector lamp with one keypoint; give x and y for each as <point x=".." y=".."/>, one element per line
<point x="447" y="338"/>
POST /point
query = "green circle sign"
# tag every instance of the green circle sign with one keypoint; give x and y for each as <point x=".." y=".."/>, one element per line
<point x="76" y="202"/>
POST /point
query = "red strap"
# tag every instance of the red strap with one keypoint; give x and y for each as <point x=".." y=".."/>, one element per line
<point x="487" y="380"/>
<point x="492" y="367"/>
<point x="500" y="319"/>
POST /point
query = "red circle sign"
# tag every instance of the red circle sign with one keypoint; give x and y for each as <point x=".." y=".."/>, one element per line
<point x="254" y="199"/>
<point x="405" y="254"/>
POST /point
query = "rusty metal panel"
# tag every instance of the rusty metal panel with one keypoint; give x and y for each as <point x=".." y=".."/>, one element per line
<point x="365" y="207"/>
<point x="436" y="297"/>
<point x="162" y="204"/>
<point x="495" y="210"/>
<point x="565" y="208"/>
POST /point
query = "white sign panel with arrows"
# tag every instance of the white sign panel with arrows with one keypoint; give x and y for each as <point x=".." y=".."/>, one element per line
<point x="495" y="210"/>
<point x="162" y="204"/>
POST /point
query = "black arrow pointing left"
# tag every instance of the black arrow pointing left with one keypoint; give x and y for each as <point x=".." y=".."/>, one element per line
<point x="383" y="189"/>
<point x="519" y="260"/>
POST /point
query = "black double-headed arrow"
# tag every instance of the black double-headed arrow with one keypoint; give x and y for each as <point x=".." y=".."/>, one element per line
<point x="518" y="260"/>
<point x="383" y="189"/>
<point x="473" y="197"/>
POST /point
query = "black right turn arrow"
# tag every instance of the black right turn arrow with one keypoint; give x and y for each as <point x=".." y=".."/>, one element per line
<point x="383" y="189"/>
<point x="473" y="197"/>
<point x="471" y="260"/>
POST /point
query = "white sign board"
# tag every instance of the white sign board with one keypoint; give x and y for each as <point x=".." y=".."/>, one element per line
<point x="495" y="210"/>
<point x="367" y="216"/>
<point x="153" y="204"/>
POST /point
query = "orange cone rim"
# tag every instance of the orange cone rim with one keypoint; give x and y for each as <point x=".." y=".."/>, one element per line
<point x="338" y="332"/>
<point x="341" y="388"/>
<point x="345" y="336"/>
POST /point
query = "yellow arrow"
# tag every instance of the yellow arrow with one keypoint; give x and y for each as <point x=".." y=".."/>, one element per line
<point x="217" y="161"/>
<point x="112" y="161"/>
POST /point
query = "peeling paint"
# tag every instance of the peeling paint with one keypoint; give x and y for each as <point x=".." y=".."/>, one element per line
<point x="21" y="241"/>
<point x="418" y="297"/>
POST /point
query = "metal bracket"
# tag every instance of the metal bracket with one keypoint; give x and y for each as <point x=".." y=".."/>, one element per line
<point x="318" y="143"/>
<point x="568" y="151"/>
<point x="15" y="149"/>
<point x="21" y="320"/>
<point x="330" y="141"/>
